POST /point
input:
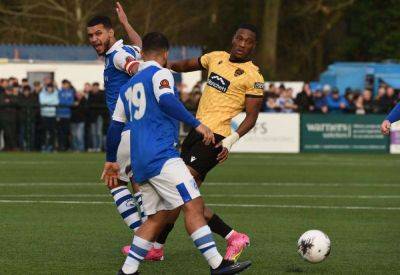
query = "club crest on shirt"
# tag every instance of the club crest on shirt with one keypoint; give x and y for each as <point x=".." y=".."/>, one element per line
<point x="238" y="72"/>
<point x="218" y="82"/>
<point x="164" y="84"/>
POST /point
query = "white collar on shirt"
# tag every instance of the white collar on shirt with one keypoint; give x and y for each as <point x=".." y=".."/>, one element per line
<point x="144" y="65"/>
<point x="116" y="45"/>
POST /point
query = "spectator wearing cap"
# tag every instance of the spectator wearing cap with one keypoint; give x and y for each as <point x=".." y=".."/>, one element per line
<point x="48" y="99"/>
<point x="27" y="118"/>
<point x="336" y="103"/>
<point x="8" y="118"/>
<point x="320" y="102"/>
<point x="78" y="118"/>
<point x="350" y="97"/>
<point x="66" y="98"/>
<point x="97" y="112"/>
<point x="304" y="100"/>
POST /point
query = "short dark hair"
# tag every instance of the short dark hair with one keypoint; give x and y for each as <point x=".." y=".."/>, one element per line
<point x="100" y="19"/>
<point x="249" y="27"/>
<point x="155" y="41"/>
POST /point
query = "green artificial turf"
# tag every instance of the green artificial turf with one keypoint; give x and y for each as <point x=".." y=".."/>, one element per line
<point x="57" y="218"/>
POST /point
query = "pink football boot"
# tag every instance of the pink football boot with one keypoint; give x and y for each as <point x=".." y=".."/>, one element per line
<point x="125" y="249"/>
<point x="237" y="242"/>
<point x="155" y="254"/>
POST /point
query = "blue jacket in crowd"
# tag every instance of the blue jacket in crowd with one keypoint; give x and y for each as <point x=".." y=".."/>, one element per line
<point x="334" y="104"/>
<point x="66" y="98"/>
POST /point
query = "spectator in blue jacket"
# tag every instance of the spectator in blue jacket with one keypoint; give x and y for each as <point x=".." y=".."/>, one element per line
<point x="320" y="103"/>
<point x="48" y="99"/>
<point x="66" y="99"/>
<point x="336" y="103"/>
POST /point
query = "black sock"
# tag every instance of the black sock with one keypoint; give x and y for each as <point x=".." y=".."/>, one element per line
<point x="162" y="238"/>
<point x="218" y="226"/>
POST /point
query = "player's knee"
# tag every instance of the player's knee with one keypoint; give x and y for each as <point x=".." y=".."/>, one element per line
<point x="194" y="207"/>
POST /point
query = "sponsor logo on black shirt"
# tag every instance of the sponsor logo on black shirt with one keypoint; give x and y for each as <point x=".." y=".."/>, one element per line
<point x="218" y="82"/>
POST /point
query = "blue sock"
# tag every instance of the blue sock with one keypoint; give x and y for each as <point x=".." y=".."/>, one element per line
<point x="138" y="251"/>
<point x="127" y="207"/>
<point x="204" y="242"/>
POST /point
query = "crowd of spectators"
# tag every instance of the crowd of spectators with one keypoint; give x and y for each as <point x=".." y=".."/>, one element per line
<point x="329" y="100"/>
<point x="45" y="117"/>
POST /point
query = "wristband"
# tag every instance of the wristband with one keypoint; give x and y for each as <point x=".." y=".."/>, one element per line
<point x="230" y="140"/>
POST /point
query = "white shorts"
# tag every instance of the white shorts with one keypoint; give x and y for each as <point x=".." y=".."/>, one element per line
<point x="173" y="187"/>
<point x="124" y="156"/>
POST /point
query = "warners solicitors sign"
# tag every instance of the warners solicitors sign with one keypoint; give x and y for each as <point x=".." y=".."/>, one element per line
<point x="341" y="133"/>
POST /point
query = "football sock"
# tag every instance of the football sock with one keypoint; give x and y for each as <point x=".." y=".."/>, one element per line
<point x="218" y="226"/>
<point x="204" y="242"/>
<point x="138" y="198"/>
<point x="138" y="251"/>
<point x="126" y="206"/>
<point x="164" y="234"/>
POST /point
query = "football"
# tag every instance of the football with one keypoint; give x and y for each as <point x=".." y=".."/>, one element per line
<point x="314" y="246"/>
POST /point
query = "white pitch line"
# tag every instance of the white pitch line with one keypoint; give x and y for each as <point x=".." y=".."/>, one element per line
<point x="214" y="196"/>
<point x="300" y="184"/>
<point x="55" y="202"/>
<point x="332" y="184"/>
<point x="303" y="196"/>
<point x="218" y="205"/>
<point x="33" y="184"/>
<point x="304" y="206"/>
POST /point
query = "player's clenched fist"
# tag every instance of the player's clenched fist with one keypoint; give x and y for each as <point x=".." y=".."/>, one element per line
<point x="110" y="174"/>
<point x="385" y="127"/>
<point x="208" y="135"/>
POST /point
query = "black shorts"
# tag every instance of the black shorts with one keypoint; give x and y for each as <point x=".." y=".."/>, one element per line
<point x="199" y="156"/>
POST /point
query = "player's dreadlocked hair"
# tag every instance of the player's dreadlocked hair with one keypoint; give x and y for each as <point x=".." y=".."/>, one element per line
<point x="249" y="27"/>
<point x="155" y="41"/>
<point x="100" y="19"/>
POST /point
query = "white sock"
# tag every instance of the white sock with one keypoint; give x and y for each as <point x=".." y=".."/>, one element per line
<point x="138" y="251"/>
<point x="126" y="206"/>
<point x="158" y="245"/>
<point x="204" y="241"/>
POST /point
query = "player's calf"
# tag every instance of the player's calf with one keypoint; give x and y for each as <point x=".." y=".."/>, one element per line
<point x="127" y="206"/>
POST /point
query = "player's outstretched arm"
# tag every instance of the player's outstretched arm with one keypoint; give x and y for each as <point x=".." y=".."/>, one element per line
<point x="111" y="167"/>
<point x="253" y="106"/>
<point x="134" y="37"/>
<point x="187" y="65"/>
<point x="170" y="105"/>
<point x="391" y="118"/>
